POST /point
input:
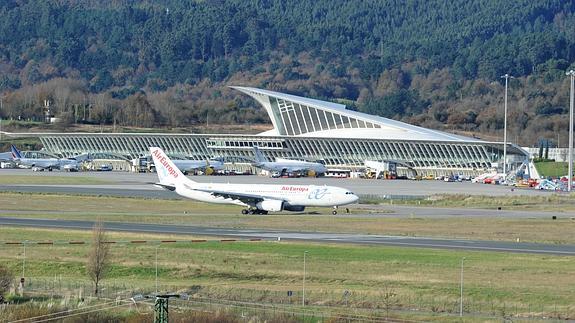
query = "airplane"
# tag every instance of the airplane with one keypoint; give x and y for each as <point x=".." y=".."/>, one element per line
<point x="43" y="163"/>
<point x="257" y="198"/>
<point x="208" y="166"/>
<point x="283" y="166"/>
<point x="7" y="156"/>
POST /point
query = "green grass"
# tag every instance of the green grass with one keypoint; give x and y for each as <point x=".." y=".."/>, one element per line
<point x="550" y="202"/>
<point x="425" y="279"/>
<point x="553" y="169"/>
<point x="187" y="212"/>
<point x="50" y="180"/>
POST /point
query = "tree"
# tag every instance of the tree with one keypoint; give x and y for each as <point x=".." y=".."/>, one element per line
<point x="388" y="299"/>
<point x="99" y="257"/>
<point x="6" y="279"/>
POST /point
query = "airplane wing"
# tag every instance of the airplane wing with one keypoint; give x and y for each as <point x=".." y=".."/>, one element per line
<point x="246" y="198"/>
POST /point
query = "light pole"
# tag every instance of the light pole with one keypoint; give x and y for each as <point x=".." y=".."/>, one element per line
<point x="157" y="268"/>
<point x="506" y="77"/>
<point x="303" y="287"/>
<point x="461" y="289"/>
<point x="24" y="261"/>
<point x="22" y="279"/>
<point x="570" y="175"/>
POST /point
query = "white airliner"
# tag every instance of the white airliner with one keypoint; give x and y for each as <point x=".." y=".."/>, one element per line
<point x="282" y="165"/>
<point x="45" y="163"/>
<point x="208" y="166"/>
<point x="257" y="198"/>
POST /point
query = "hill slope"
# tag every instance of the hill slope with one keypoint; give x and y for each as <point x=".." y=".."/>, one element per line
<point x="435" y="63"/>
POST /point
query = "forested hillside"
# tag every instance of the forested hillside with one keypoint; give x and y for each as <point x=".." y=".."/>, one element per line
<point x="435" y="63"/>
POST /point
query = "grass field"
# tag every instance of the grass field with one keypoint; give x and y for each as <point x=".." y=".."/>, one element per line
<point x="560" y="202"/>
<point x="553" y="169"/>
<point x="427" y="280"/>
<point x="201" y="214"/>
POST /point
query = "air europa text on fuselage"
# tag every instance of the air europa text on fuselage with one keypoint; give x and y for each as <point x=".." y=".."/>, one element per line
<point x="292" y="188"/>
<point x="164" y="162"/>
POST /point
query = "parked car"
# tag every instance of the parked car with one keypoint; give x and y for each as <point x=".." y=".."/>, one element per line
<point x="70" y="168"/>
<point x="104" y="168"/>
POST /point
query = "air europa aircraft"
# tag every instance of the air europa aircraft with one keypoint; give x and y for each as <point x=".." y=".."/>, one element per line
<point x="257" y="198"/>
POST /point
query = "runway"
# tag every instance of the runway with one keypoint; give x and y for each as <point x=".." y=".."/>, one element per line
<point x="381" y="240"/>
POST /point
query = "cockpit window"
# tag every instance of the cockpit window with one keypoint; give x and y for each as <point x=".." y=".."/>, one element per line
<point x="347" y="193"/>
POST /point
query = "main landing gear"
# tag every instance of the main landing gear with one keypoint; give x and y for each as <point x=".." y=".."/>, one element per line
<point x="254" y="211"/>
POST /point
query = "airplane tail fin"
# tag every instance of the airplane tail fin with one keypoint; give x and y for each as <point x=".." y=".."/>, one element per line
<point x="168" y="173"/>
<point x="15" y="152"/>
<point x="259" y="156"/>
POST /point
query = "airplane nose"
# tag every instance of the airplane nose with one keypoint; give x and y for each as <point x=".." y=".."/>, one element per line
<point x="354" y="198"/>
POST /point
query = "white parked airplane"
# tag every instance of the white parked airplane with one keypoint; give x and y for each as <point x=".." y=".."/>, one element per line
<point x="257" y="198"/>
<point x="208" y="166"/>
<point x="282" y="165"/>
<point x="43" y="163"/>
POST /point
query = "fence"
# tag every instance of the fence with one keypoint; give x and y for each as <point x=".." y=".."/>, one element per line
<point x="319" y="303"/>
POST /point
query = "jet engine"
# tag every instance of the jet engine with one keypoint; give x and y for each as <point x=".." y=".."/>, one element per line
<point x="294" y="208"/>
<point x="270" y="205"/>
<point x="311" y="173"/>
<point x="209" y="171"/>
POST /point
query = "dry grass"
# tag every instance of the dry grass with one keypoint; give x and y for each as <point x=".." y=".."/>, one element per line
<point x="265" y="271"/>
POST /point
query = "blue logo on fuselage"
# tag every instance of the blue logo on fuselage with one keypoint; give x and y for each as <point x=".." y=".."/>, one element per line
<point x="317" y="194"/>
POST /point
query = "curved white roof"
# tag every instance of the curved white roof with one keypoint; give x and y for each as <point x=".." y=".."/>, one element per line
<point x="298" y="116"/>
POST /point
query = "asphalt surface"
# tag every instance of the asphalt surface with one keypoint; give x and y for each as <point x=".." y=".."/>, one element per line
<point x="386" y="210"/>
<point x="453" y="244"/>
<point x="134" y="181"/>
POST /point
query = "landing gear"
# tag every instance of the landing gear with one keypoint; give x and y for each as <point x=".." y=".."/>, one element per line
<point x="334" y="212"/>
<point x="254" y="211"/>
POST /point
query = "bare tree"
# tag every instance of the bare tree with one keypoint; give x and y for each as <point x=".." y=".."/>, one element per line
<point x="99" y="257"/>
<point x="388" y="299"/>
<point x="6" y="279"/>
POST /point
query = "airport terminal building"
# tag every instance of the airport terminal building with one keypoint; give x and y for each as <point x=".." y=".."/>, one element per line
<point x="310" y="129"/>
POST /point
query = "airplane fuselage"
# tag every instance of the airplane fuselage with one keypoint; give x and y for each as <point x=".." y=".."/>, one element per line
<point x="292" y="166"/>
<point x="46" y="162"/>
<point x="294" y="195"/>
<point x="191" y="165"/>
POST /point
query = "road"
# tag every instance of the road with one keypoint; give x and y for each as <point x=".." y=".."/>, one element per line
<point x="382" y="240"/>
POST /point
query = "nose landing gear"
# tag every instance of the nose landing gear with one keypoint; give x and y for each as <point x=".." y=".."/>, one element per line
<point x="334" y="212"/>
